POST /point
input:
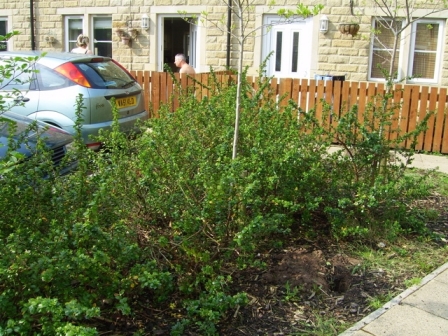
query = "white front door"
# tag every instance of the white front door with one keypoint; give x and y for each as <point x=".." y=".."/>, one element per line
<point x="290" y="45"/>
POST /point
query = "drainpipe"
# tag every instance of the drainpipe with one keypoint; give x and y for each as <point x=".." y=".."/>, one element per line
<point x="33" y="40"/>
<point x="229" y="23"/>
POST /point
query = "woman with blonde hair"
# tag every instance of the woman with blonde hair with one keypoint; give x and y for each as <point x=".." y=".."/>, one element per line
<point x="82" y="45"/>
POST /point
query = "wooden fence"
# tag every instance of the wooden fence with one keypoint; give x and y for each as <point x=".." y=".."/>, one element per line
<point x="415" y="100"/>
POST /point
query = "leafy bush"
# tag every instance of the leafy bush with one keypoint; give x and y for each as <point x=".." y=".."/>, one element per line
<point x="69" y="253"/>
<point x="370" y="192"/>
<point x="160" y="217"/>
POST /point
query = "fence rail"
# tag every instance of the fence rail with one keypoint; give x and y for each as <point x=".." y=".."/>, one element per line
<point x="415" y="100"/>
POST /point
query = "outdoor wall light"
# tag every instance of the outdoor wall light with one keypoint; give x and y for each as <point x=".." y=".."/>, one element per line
<point x="323" y="24"/>
<point x="145" y="21"/>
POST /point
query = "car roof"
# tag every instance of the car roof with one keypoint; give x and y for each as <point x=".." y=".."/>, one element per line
<point x="52" y="58"/>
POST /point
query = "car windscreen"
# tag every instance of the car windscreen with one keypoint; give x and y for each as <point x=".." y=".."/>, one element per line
<point x="105" y="75"/>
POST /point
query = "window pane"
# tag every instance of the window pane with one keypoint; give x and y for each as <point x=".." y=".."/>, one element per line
<point x="382" y="47"/>
<point x="278" y="52"/>
<point x="74" y="29"/>
<point x="102" y="34"/>
<point x="426" y="36"/>
<point x="295" y="51"/>
<point x="425" y="53"/>
<point x="105" y="75"/>
<point x="3" y="28"/>
<point x="384" y="38"/>
<point x="381" y="60"/>
<point x="424" y="65"/>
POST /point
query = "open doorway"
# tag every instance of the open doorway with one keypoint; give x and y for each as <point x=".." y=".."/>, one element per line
<point x="178" y="36"/>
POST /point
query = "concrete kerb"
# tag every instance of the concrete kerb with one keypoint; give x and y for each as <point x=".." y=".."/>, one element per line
<point x="395" y="301"/>
<point x="438" y="163"/>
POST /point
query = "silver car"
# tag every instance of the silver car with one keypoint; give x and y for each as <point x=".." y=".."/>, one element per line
<point x="17" y="133"/>
<point x="49" y="91"/>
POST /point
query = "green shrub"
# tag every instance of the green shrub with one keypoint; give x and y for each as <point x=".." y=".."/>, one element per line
<point x="370" y="192"/>
<point x="69" y="251"/>
<point x="162" y="215"/>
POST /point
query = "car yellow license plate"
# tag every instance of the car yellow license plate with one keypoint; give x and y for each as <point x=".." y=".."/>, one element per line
<point x="126" y="102"/>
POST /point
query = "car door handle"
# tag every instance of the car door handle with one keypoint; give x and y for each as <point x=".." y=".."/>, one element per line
<point x="23" y="99"/>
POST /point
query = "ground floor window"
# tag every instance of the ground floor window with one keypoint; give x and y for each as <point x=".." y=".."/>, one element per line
<point x="418" y="52"/>
<point x="426" y="50"/>
<point x="73" y="29"/>
<point x="3" y="31"/>
<point x="98" y="29"/>
<point x="102" y="35"/>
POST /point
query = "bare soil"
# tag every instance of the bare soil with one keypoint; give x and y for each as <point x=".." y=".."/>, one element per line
<point x="303" y="285"/>
<point x="332" y="285"/>
<point x="327" y="289"/>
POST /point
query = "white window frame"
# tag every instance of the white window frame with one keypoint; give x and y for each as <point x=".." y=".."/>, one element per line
<point x="7" y="43"/>
<point x="92" y="26"/>
<point x="405" y="59"/>
<point x="86" y="13"/>
<point x="439" y="51"/>
<point x="66" y="30"/>
<point x="402" y="47"/>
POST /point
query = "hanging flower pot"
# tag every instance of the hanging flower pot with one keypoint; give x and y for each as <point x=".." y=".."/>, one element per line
<point x="349" y="28"/>
<point x="125" y="40"/>
<point x="119" y="32"/>
<point x="119" y="27"/>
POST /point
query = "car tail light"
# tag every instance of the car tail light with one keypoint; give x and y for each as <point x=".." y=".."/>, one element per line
<point x="70" y="71"/>
<point x="94" y="146"/>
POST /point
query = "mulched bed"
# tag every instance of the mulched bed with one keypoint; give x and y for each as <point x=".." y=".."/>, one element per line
<point x="329" y="286"/>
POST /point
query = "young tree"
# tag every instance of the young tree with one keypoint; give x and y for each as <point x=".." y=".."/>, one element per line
<point x="243" y="29"/>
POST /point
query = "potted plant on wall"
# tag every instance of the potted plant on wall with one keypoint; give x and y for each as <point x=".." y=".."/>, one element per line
<point x="349" y="28"/>
<point x="119" y="27"/>
<point x="125" y="39"/>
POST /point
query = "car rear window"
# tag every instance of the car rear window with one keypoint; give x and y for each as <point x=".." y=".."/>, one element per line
<point x="105" y="75"/>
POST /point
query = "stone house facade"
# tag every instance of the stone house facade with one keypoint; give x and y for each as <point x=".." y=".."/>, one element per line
<point x="159" y="29"/>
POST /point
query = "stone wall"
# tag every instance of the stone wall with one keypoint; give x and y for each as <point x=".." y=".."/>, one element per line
<point x="337" y="54"/>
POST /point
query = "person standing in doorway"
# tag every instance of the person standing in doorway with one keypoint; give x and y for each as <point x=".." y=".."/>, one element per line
<point x="181" y="62"/>
<point x="82" y="45"/>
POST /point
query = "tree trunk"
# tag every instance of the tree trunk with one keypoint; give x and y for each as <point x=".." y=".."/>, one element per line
<point x="239" y="80"/>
